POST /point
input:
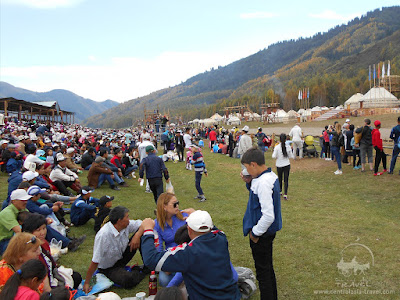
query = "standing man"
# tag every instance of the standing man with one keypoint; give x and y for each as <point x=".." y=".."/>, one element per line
<point x="395" y="136"/>
<point x="113" y="249"/>
<point x="261" y="136"/>
<point x="155" y="169"/>
<point x="366" y="144"/>
<point x="245" y="142"/>
<point x="143" y="154"/>
<point x="179" y="144"/>
<point x="262" y="218"/>
<point x="297" y="137"/>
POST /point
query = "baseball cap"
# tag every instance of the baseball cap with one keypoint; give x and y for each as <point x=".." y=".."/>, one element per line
<point x="60" y="157"/>
<point x="347" y="120"/>
<point x="29" y="175"/>
<point x="30" y="166"/>
<point x="70" y="150"/>
<point x="245" y="128"/>
<point x="103" y="200"/>
<point x="377" y="123"/>
<point x="3" y="142"/>
<point x="34" y="190"/>
<point x="20" y="194"/>
<point x="245" y="172"/>
<point x="87" y="189"/>
<point x="47" y="140"/>
<point x="149" y="148"/>
<point x="200" y="221"/>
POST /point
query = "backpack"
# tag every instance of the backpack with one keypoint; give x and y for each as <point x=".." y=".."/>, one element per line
<point x="246" y="282"/>
<point x="341" y="140"/>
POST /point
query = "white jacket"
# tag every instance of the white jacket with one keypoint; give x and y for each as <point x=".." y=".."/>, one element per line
<point x="282" y="161"/>
<point x="62" y="174"/>
<point x="245" y="143"/>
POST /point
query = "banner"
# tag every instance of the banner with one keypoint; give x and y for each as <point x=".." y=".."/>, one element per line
<point x="388" y="72"/>
<point x="369" y="73"/>
<point x="383" y="71"/>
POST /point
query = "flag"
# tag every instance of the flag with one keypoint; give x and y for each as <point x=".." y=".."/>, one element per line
<point x="308" y="93"/>
<point x="369" y="72"/>
<point x="299" y="96"/>
<point x="379" y="71"/>
<point x="374" y="72"/>
<point x="304" y="94"/>
<point x="383" y="70"/>
<point x="388" y="72"/>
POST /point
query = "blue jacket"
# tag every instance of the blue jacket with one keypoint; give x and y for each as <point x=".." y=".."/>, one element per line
<point x="34" y="207"/>
<point x="395" y="134"/>
<point x="13" y="182"/>
<point x="41" y="182"/>
<point x="263" y="213"/>
<point x="198" y="162"/>
<point x="13" y="165"/>
<point x="80" y="206"/>
<point x="204" y="264"/>
<point x="154" y="167"/>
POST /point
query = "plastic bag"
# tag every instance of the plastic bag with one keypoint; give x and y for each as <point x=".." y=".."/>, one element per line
<point x="55" y="248"/>
<point x="169" y="187"/>
<point x="102" y="283"/>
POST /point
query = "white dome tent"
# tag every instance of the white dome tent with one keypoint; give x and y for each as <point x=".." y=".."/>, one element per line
<point x="217" y="117"/>
<point x="353" y="101"/>
<point x="379" y="97"/>
<point x="233" y="121"/>
<point x="208" y="122"/>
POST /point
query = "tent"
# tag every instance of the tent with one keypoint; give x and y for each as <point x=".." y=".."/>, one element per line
<point x="353" y="101"/>
<point x="379" y="97"/>
<point x="281" y="115"/>
<point x="217" y="117"/>
<point x="208" y="122"/>
<point x="292" y="114"/>
<point x="233" y="121"/>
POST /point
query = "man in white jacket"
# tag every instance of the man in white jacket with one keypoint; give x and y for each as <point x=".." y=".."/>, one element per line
<point x="297" y="137"/>
<point x="64" y="175"/>
<point x="245" y="142"/>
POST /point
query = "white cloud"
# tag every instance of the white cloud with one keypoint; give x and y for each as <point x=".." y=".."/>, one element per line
<point x="122" y="79"/>
<point x="332" y="15"/>
<point x="258" y="15"/>
<point x="92" y="58"/>
<point x="43" y="3"/>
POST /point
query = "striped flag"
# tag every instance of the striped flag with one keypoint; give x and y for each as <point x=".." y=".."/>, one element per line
<point x="308" y="93"/>
<point x="379" y="71"/>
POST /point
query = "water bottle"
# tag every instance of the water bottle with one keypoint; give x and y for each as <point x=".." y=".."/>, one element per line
<point x="153" y="283"/>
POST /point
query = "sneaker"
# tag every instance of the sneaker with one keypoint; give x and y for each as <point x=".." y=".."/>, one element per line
<point x="391" y="173"/>
<point x="328" y="158"/>
<point x="123" y="184"/>
<point x="148" y="191"/>
<point x="338" y="172"/>
<point x="197" y="197"/>
<point x="202" y="199"/>
<point x="115" y="188"/>
<point x="355" y="168"/>
<point x="133" y="175"/>
<point x="285" y="197"/>
<point x="378" y="174"/>
<point x="384" y="171"/>
<point x="75" y="243"/>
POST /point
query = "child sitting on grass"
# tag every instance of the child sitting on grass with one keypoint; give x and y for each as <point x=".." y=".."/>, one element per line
<point x="101" y="215"/>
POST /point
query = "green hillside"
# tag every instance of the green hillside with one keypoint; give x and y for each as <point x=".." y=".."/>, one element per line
<point x="334" y="65"/>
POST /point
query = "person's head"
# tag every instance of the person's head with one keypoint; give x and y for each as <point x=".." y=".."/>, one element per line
<point x="30" y="176"/>
<point x="86" y="192"/>
<point x="377" y="124"/>
<point x="24" y="185"/>
<point x="104" y="153"/>
<point x="254" y="161"/>
<point x="182" y="235"/>
<point x="22" y="247"/>
<point x="259" y="129"/>
<point x="58" y="293"/>
<point x="71" y="151"/>
<point x="338" y="128"/>
<point x="326" y="127"/>
<point x="35" y="192"/>
<point x="118" y="152"/>
<point x="351" y="127"/>
<point x="169" y="293"/>
<point x="19" y="198"/>
<point x="31" y="274"/>
<point x="199" y="223"/>
<point x="187" y="129"/>
<point x="46" y="168"/>
<point x="194" y="148"/>
<point x="99" y="160"/>
<point x="367" y="122"/>
<point x="245" y="129"/>
<point x="22" y="216"/>
<point x="282" y="139"/>
<point x="92" y="151"/>
<point x="150" y="149"/>
<point x="119" y="217"/>
<point x="167" y="206"/>
<point x="36" y="225"/>
<point x="61" y="160"/>
<point x="106" y="201"/>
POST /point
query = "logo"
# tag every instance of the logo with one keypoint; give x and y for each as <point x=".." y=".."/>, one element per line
<point x="357" y="259"/>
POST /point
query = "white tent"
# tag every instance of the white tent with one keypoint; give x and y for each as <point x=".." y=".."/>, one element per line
<point x="217" y="117"/>
<point x="353" y="101"/>
<point x="281" y="115"/>
<point x="196" y="121"/>
<point x="379" y="97"/>
<point x="208" y="122"/>
<point x="301" y="111"/>
<point x="292" y="114"/>
<point x="233" y="121"/>
<point x="316" y="109"/>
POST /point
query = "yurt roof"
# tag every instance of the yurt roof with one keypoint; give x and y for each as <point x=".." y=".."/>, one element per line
<point x="378" y="93"/>
<point x="196" y="120"/>
<point x="316" y="108"/>
<point x="234" y="119"/>
<point x="216" y="116"/>
<point x="354" y="99"/>
<point x="300" y="111"/>
<point x="256" y="115"/>
<point x="281" y="113"/>
<point x="292" y="113"/>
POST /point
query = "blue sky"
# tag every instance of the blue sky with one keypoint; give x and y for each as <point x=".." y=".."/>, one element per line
<point x="123" y="49"/>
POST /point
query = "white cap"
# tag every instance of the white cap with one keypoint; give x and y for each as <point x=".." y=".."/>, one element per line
<point x="245" y="128"/>
<point x="31" y="166"/>
<point x="245" y="172"/>
<point x="3" y="142"/>
<point x="60" y="157"/>
<point x="347" y="120"/>
<point x="34" y="190"/>
<point x="47" y="140"/>
<point x="200" y="221"/>
<point x="20" y="194"/>
<point x="70" y="150"/>
<point x="29" y="175"/>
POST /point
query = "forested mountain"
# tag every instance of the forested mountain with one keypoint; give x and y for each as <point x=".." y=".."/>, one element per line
<point x="334" y="65"/>
<point x="67" y="100"/>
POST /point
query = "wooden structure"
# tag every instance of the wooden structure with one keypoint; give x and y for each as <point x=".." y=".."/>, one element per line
<point x="234" y="109"/>
<point x="40" y="111"/>
<point x="391" y="83"/>
<point x="267" y="109"/>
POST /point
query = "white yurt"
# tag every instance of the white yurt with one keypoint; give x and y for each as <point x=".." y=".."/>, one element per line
<point x="324" y="108"/>
<point x="208" y="122"/>
<point x="217" y="117"/>
<point x="353" y="101"/>
<point x="282" y="116"/>
<point x="256" y="117"/>
<point x="235" y="121"/>
<point x="301" y="111"/>
<point x="379" y="97"/>
<point x="196" y="122"/>
<point x="316" y="109"/>
<point x="292" y="114"/>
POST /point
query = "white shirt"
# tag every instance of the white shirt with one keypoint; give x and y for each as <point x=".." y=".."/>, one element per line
<point x="296" y="133"/>
<point x="245" y="143"/>
<point x="187" y="138"/>
<point x="282" y="161"/>
<point x="142" y="149"/>
<point x="109" y="244"/>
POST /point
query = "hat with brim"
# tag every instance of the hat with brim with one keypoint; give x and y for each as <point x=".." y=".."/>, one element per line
<point x="20" y="194"/>
<point x="99" y="159"/>
<point x="200" y="221"/>
<point x="87" y="189"/>
<point x="149" y="148"/>
<point x="29" y="175"/>
<point x="103" y="200"/>
<point x="34" y="190"/>
<point x="60" y="157"/>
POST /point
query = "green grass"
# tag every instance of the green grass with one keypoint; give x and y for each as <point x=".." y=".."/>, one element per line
<point x="324" y="214"/>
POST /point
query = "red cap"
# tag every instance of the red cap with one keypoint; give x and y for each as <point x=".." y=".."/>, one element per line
<point x="377" y="123"/>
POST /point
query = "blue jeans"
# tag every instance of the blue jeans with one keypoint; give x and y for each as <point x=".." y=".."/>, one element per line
<point x="395" y="153"/>
<point x="129" y="170"/>
<point x="103" y="177"/>
<point x="336" y="154"/>
<point x="52" y="233"/>
<point x="197" y="183"/>
<point x="88" y="167"/>
<point x="117" y="179"/>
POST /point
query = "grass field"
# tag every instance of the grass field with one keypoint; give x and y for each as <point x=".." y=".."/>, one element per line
<point x="327" y="218"/>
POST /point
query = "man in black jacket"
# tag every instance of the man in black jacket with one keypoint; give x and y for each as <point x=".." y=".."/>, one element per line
<point x="366" y="144"/>
<point x="179" y="144"/>
<point x="88" y="158"/>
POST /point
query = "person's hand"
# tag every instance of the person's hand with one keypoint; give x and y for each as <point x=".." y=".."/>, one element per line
<point x="112" y="176"/>
<point x="206" y="174"/>
<point x="86" y="287"/>
<point x="77" y="181"/>
<point x="49" y="221"/>
<point x="148" y="224"/>
<point x="56" y="208"/>
<point x="188" y="211"/>
<point x="135" y="242"/>
<point x="119" y="173"/>
<point x="253" y="238"/>
<point x="245" y="178"/>
<point x="167" y="181"/>
<point x="59" y="203"/>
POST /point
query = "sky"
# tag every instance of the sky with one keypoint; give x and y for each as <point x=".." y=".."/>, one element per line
<point x="124" y="49"/>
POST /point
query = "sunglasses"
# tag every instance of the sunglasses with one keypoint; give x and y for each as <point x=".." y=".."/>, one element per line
<point x="32" y="240"/>
<point x="176" y="204"/>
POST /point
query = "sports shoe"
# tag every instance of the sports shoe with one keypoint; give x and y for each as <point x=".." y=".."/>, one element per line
<point x="378" y="174"/>
<point x="133" y="175"/>
<point x="123" y="184"/>
<point x="328" y="158"/>
<point x="75" y="243"/>
<point x="202" y="199"/>
<point x="197" y="197"/>
<point x="384" y="171"/>
<point x="115" y="188"/>
<point x="285" y="197"/>
<point x="338" y="172"/>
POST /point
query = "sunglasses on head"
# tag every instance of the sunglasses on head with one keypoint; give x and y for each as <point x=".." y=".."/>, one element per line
<point x="176" y="204"/>
<point x="32" y="240"/>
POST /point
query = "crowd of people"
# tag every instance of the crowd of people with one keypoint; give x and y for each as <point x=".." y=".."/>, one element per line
<point x="44" y="163"/>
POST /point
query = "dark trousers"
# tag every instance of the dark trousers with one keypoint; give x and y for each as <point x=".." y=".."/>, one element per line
<point x="284" y="173"/>
<point x="156" y="186"/>
<point x="231" y="146"/>
<point x="262" y="255"/>
<point x="52" y="233"/>
<point x="327" y="150"/>
<point x="119" y="275"/>
<point x="379" y="156"/>
<point x="62" y="188"/>
<point x="179" y="150"/>
<point x="198" y="182"/>
<point x="395" y="153"/>
<point x="356" y="152"/>
<point x="84" y="217"/>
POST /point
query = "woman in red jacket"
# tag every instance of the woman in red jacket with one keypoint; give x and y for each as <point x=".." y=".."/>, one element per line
<point x="378" y="146"/>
